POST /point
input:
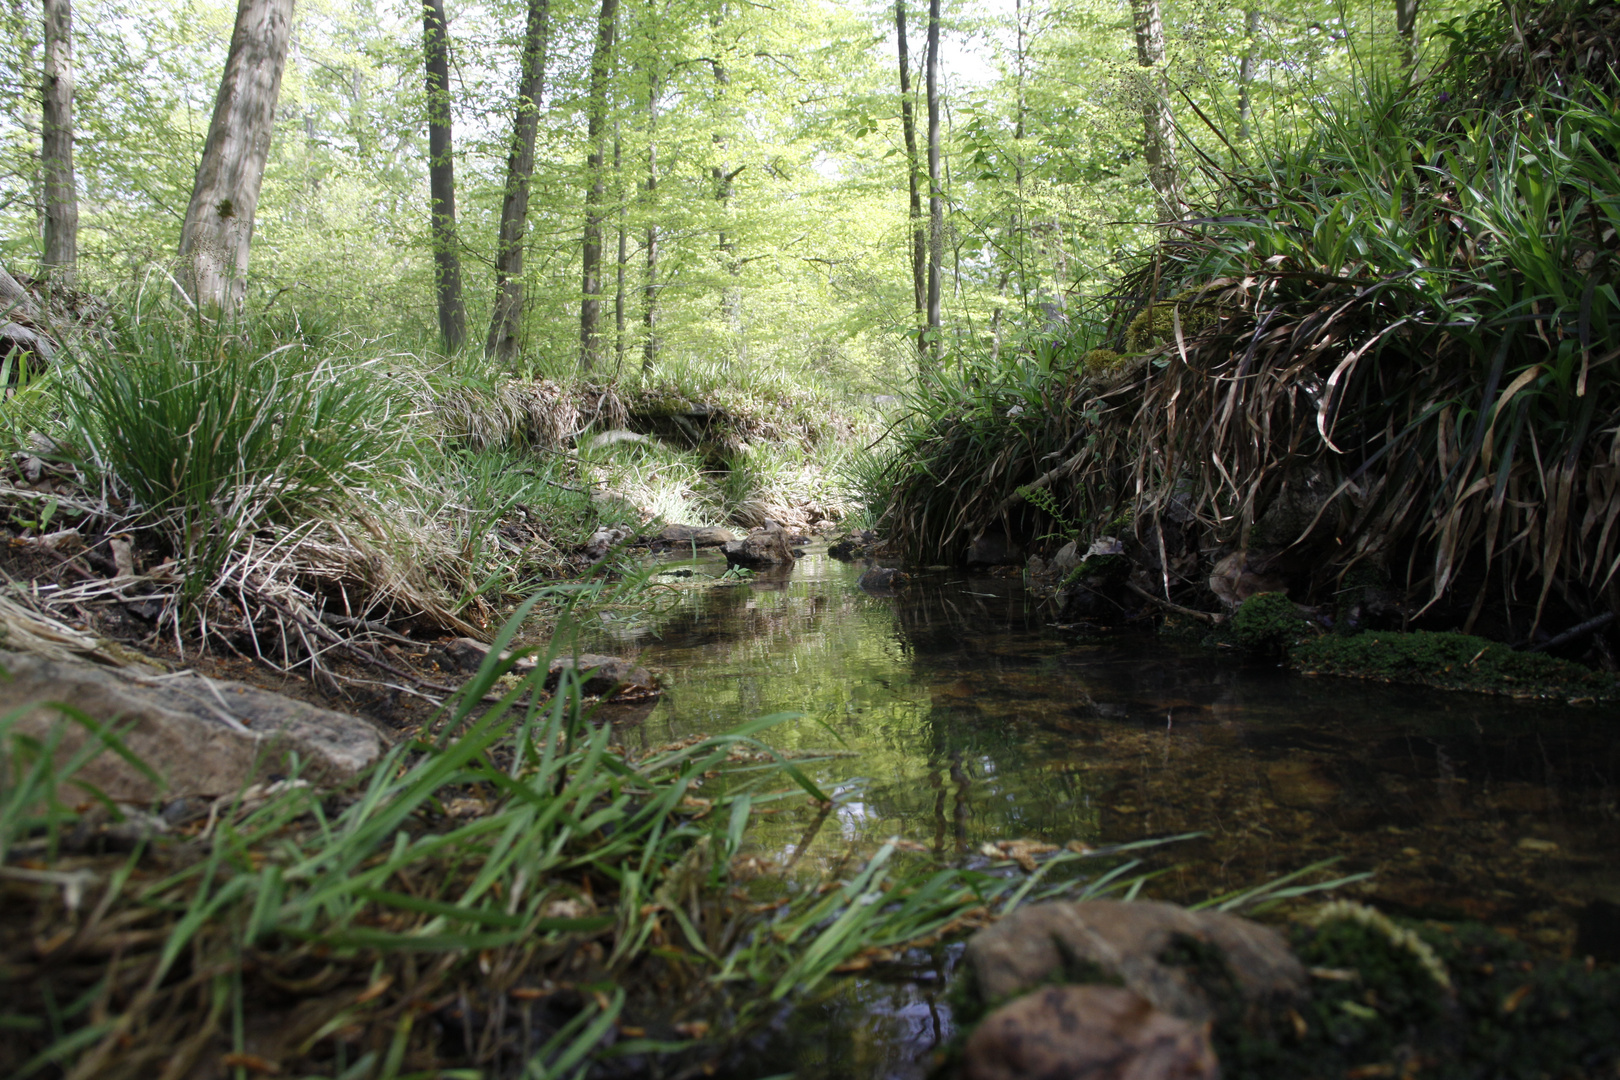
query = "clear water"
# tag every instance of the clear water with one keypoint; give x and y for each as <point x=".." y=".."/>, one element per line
<point x="964" y="717"/>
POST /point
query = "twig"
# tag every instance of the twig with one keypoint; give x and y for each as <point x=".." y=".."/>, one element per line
<point x="1201" y="616"/>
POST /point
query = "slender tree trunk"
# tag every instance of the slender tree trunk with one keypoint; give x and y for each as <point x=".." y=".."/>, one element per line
<point x="936" y="196"/>
<point x="218" y="225"/>
<point x="590" y="309"/>
<point x="1251" y="47"/>
<point x="1406" y="22"/>
<point x="1157" y="121"/>
<point x="919" y="229"/>
<point x="725" y="178"/>
<point x="507" y="319"/>
<point x="624" y="254"/>
<point x="61" y="194"/>
<point x="442" y="177"/>
<point x="649" y="311"/>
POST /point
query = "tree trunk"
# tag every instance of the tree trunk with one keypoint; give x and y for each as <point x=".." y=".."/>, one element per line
<point x="442" y="177"/>
<point x="590" y="309"/>
<point x="1406" y="20"/>
<point x="1158" y="123"/>
<point x="624" y="254"/>
<point x="507" y="318"/>
<point x="61" y="194"/>
<point x="219" y="220"/>
<point x="919" y="230"/>
<point x="936" y="196"/>
<point x="649" y="312"/>
<point x="1251" y="46"/>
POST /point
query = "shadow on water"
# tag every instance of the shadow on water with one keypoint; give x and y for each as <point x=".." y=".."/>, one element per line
<point x="963" y="718"/>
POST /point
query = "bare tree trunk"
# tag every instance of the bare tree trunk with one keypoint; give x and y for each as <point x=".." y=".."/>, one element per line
<point x="624" y="254"/>
<point x="649" y="311"/>
<point x="725" y="178"/>
<point x="507" y="318"/>
<point x="936" y="196"/>
<point x="919" y="230"/>
<point x="1157" y="121"/>
<point x="590" y="309"/>
<point x="1406" y="21"/>
<point x="442" y="177"/>
<point x="219" y="220"/>
<point x="61" y="194"/>
<point x="1251" y="46"/>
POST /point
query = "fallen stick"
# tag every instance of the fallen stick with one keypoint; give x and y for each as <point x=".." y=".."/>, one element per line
<point x="1201" y="616"/>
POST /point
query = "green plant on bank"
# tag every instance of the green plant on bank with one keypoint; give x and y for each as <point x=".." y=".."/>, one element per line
<point x="212" y="438"/>
<point x="1450" y="661"/>
<point x="1415" y="305"/>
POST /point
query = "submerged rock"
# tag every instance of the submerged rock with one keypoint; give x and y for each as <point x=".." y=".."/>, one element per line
<point x="883" y="580"/>
<point x="1087" y="1033"/>
<point x="763" y="547"/>
<point x="605" y="675"/>
<point x="1181" y="961"/>
<point x="199" y="736"/>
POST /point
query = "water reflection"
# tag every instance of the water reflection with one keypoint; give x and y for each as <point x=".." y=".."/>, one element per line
<point x="971" y="720"/>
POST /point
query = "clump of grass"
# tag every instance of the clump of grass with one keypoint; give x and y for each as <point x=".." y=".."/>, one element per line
<point x="211" y="439"/>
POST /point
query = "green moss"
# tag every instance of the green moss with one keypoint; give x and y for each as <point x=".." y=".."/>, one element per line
<point x="1268" y="623"/>
<point x="1450" y="661"/>
<point x="1155" y="325"/>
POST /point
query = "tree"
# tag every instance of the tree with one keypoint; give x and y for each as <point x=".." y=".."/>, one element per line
<point x="218" y="225"/>
<point x="936" y="198"/>
<point x="590" y="309"/>
<point x="442" y="177"/>
<point x="649" y="309"/>
<point x="919" y="233"/>
<point x="56" y="157"/>
<point x="508" y="315"/>
<point x="1406" y="18"/>
<point x="1157" y="121"/>
<point x="1251" y="45"/>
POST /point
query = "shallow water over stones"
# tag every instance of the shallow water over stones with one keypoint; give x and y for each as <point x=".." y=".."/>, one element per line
<point x="962" y="717"/>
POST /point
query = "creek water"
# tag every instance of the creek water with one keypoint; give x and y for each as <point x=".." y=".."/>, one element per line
<point x="961" y="716"/>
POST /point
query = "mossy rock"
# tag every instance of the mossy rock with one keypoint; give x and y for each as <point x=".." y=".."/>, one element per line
<point x="1401" y="998"/>
<point x="1268" y="623"/>
<point x="1451" y="661"/>
<point x="1155" y="325"/>
<point x="1099" y="571"/>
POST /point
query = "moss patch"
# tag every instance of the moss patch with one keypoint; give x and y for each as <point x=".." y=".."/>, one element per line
<point x="1377" y="1009"/>
<point x="1268" y="623"/>
<point x="1452" y="662"/>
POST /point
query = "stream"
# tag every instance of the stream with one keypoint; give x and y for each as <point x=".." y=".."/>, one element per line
<point x="962" y="717"/>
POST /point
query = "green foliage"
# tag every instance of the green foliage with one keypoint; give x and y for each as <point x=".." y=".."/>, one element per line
<point x="1451" y="661"/>
<point x="212" y="438"/>
<point x="1268" y="624"/>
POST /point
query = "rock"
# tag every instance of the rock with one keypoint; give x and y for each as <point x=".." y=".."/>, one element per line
<point x="693" y="535"/>
<point x="468" y="655"/>
<point x="1241" y="575"/>
<point x="1087" y="1033"/>
<point x="1155" y="949"/>
<point x="200" y="736"/>
<point x="604" y="675"/>
<point x="883" y="580"/>
<point x="994" y="549"/>
<point x="1067" y="558"/>
<point x="603" y="541"/>
<point x="616" y="437"/>
<point x="1097" y="589"/>
<point x="851" y="546"/>
<point x="763" y="547"/>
